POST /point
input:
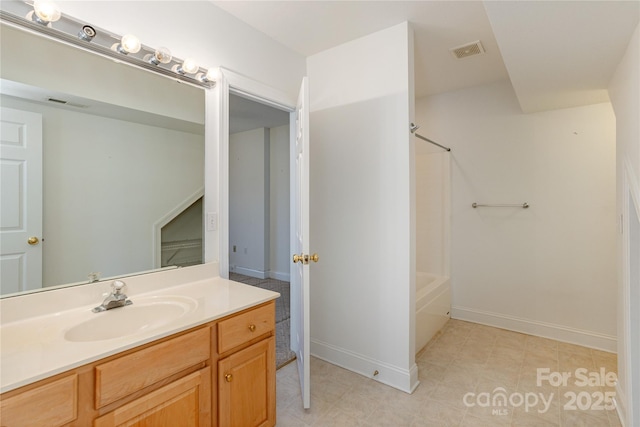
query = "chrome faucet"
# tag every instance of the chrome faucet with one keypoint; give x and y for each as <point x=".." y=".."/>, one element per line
<point x="115" y="299"/>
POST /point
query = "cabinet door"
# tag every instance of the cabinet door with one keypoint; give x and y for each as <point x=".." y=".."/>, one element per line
<point x="184" y="402"/>
<point x="247" y="386"/>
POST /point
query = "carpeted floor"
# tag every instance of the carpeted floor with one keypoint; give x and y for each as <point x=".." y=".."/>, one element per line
<point x="283" y="314"/>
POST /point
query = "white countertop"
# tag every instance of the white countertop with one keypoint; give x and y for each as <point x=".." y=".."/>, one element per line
<point x="35" y="348"/>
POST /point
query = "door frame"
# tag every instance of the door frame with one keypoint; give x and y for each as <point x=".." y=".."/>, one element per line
<point x="232" y="82"/>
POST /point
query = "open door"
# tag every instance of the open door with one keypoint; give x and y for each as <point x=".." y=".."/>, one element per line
<point x="300" y="240"/>
<point x="21" y="216"/>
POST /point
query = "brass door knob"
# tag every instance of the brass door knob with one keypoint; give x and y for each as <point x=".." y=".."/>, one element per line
<point x="313" y="258"/>
<point x="33" y="240"/>
<point x="252" y="328"/>
<point x="298" y="258"/>
<point x="228" y="378"/>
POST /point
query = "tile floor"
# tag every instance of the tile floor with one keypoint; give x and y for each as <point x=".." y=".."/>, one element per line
<point x="283" y="313"/>
<point x="463" y="358"/>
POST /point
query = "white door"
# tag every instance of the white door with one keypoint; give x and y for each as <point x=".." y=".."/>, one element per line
<point x="21" y="201"/>
<point x="300" y="240"/>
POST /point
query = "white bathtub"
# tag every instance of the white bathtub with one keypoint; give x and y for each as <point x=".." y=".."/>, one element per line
<point x="433" y="305"/>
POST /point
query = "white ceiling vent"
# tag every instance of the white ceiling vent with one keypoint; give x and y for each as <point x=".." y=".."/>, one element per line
<point x="468" y="49"/>
<point x="67" y="103"/>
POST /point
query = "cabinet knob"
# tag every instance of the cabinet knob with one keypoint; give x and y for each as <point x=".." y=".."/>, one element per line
<point x="228" y="378"/>
<point x="252" y="328"/>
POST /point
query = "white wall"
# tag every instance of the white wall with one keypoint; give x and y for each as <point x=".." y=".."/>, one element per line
<point x="249" y="184"/>
<point x="259" y="203"/>
<point x="96" y="172"/>
<point x="550" y="269"/>
<point x="279" y="256"/>
<point x="362" y="226"/>
<point x="624" y="91"/>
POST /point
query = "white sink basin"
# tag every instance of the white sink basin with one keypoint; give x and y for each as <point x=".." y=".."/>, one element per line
<point x="143" y="315"/>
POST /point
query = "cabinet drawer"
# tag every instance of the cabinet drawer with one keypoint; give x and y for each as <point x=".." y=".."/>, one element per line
<point x="52" y="404"/>
<point x="128" y="374"/>
<point x="244" y="327"/>
<point x="184" y="402"/>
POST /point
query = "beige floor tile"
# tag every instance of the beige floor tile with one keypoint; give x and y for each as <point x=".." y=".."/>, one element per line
<point x="609" y="361"/>
<point x="533" y="341"/>
<point x="356" y="406"/>
<point x="430" y="370"/>
<point x="309" y="416"/>
<point x="501" y="377"/>
<point x="569" y="362"/>
<point x="534" y="360"/>
<point x="287" y="419"/>
<point x="389" y="416"/>
<point x="437" y="412"/>
<point x="573" y="348"/>
<point x="505" y="364"/>
<point x="438" y="356"/>
<point x="328" y="390"/>
<point x="463" y="358"/>
<point x="374" y="390"/>
<point x="481" y="341"/>
<point x="424" y="390"/>
<point x="614" y="420"/>
<point x="514" y="354"/>
<point x="491" y="421"/>
<point x="532" y="419"/>
<point x="451" y="395"/>
<point x="336" y="417"/>
<point x="584" y="418"/>
<point x="462" y="380"/>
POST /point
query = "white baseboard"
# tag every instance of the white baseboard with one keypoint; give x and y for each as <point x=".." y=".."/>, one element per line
<point x="249" y="272"/>
<point x="285" y="277"/>
<point x="621" y="406"/>
<point x="547" y="330"/>
<point x="402" y="379"/>
<point x="258" y="274"/>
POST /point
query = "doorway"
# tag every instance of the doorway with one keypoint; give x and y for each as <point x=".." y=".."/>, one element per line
<point x="259" y="181"/>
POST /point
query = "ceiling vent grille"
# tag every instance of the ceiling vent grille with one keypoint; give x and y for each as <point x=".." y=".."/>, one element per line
<point x="67" y="103"/>
<point x="467" y="50"/>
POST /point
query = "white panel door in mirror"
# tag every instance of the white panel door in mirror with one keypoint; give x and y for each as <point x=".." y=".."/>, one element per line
<point x="21" y="208"/>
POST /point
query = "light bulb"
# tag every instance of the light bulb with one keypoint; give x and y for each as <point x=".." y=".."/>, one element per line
<point x="46" y="11"/>
<point x="210" y="76"/>
<point x="130" y="43"/>
<point x="188" y="66"/>
<point x="162" y="55"/>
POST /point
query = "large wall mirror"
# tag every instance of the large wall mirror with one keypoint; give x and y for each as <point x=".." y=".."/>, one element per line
<point x="122" y="167"/>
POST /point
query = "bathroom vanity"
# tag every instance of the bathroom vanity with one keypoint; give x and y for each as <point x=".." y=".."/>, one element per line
<point x="214" y="365"/>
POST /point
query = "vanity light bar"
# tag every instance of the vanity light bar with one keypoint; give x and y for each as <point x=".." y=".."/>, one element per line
<point x="71" y="31"/>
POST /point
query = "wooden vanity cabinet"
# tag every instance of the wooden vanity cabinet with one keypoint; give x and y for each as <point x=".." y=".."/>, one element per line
<point x="181" y="380"/>
<point x="246" y="369"/>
